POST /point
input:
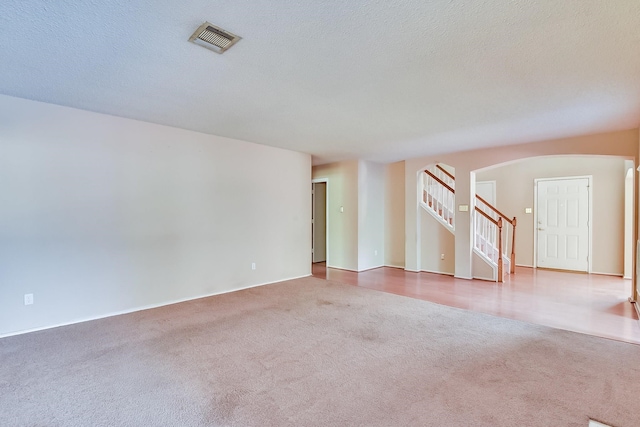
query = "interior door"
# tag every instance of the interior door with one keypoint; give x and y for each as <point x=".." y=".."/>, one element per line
<point x="563" y="224"/>
<point x="487" y="190"/>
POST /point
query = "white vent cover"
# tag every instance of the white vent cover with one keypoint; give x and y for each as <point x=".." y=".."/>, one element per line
<point x="213" y="38"/>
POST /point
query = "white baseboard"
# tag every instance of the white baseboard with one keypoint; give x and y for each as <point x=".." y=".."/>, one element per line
<point x="524" y="265"/>
<point x="342" y="268"/>
<point x="444" y="273"/>
<point x="607" y="274"/>
<point x="395" y="266"/>
<point x="463" y="277"/>
<point x="145" y="307"/>
<point x="371" y="268"/>
<point x="486" y="279"/>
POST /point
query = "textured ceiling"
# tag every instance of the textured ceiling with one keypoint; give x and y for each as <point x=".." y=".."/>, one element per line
<point x="382" y="80"/>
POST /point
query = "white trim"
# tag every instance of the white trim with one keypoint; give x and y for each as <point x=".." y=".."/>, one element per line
<point x="461" y="277"/>
<point x="370" y="268"/>
<point x="609" y="274"/>
<point x="394" y="266"/>
<point x="326" y="217"/>
<point x="590" y="223"/>
<point x="146" y="307"/>
<point x="524" y="265"/>
<point x="444" y="273"/>
<point x="342" y="268"/>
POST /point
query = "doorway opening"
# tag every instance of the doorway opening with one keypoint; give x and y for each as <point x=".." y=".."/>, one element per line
<point x="318" y="221"/>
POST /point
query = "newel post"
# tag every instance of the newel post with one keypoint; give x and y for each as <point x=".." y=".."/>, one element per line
<point x="513" y="247"/>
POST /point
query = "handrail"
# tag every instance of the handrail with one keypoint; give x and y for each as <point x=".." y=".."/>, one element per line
<point x="443" y="170"/>
<point x="439" y="181"/>
<point x="490" y="206"/>
<point x="498" y="223"/>
<point x="486" y="215"/>
<point x="513" y="222"/>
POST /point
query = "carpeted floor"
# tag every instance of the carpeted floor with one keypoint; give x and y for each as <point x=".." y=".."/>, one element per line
<point x="314" y="353"/>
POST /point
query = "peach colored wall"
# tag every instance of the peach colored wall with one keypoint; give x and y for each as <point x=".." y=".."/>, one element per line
<point x="436" y="240"/>
<point x="624" y="144"/>
<point x="394" y="215"/>
<point x="636" y="289"/>
<point x="515" y="192"/>
<point x="370" y="215"/>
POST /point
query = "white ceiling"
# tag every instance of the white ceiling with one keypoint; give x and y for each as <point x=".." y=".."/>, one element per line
<point x="382" y="80"/>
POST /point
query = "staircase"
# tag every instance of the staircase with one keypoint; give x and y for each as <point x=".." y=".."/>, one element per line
<point x="494" y="233"/>
<point x="438" y="195"/>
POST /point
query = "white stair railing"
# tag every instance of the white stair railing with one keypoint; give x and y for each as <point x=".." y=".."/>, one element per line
<point x="495" y="234"/>
<point x="438" y="197"/>
<point x="445" y="176"/>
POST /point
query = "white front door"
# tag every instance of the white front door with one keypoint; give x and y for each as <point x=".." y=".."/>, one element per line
<point x="563" y="224"/>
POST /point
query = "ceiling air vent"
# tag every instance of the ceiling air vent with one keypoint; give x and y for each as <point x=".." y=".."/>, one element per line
<point x="214" y="38"/>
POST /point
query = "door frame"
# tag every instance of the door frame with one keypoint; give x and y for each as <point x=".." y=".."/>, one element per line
<point x="326" y="217"/>
<point x="589" y="222"/>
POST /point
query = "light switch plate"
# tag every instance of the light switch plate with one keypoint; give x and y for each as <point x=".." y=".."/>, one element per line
<point x="463" y="208"/>
<point x="528" y="210"/>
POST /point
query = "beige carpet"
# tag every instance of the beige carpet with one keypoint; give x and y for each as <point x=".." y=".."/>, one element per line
<point x="314" y="353"/>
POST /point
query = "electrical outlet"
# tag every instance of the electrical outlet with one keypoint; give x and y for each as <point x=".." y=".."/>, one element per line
<point x="28" y="299"/>
<point x="442" y="256"/>
<point x="253" y="265"/>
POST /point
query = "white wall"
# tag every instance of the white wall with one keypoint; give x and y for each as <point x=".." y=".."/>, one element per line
<point x="101" y="214"/>
<point x="515" y="190"/>
<point x="342" y="191"/>
<point x="370" y="215"/>
<point x="357" y="233"/>
<point x="394" y="215"/>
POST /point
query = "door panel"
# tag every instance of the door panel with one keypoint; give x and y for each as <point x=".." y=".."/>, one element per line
<point x="563" y="224"/>
<point x="487" y="190"/>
